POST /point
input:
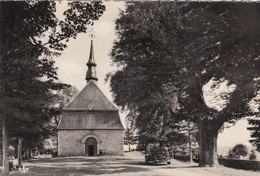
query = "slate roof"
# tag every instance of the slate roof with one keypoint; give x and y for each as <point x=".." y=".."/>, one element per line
<point x="90" y="110"/>
<point x="91" y="96"/>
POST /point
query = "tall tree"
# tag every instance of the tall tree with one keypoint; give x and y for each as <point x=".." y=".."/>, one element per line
<point x="183" y="133"/>
<point x="252" y="155"/>
<point x="255" y="132"/>
<point x="166" y="49"/>
<point x="129" y="138"/>
<point x="254" y="123"/>
<point x="30" y="36"/>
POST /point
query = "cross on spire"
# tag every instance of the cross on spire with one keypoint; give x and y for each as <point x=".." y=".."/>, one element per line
<point x="92" y="33"/>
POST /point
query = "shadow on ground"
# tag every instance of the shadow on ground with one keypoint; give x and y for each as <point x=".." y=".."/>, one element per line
<point x="80" y="170"/>
<point x="81" y="166"/>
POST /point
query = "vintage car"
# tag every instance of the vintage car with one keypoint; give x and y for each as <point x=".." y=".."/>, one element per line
<point x="157" y="156"/>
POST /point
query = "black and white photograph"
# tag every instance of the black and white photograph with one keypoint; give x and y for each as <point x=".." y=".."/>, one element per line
<point x="129" y="88"/>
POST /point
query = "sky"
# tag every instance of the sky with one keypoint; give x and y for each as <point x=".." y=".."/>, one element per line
<point x="72" y="66"/>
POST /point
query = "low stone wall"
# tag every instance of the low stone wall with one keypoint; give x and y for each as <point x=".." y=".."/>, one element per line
<point x="240" y="164"/>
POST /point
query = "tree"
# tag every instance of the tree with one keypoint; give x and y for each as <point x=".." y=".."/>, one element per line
<point x="237" y="151"/>
<point x="129" y="137"/>
<point x="174" y="49"/>
<point x="62" y="99"/>
<point x="31" y="35"/>
<point x="183" y="134"/>
<point x="255" y="133"/>
<point x="254" y="122"/>
<point x="191" y="131"/>
<point x="252" y="155"/>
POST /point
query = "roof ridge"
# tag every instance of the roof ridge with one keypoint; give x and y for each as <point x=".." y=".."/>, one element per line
<point x="100" y="100"/>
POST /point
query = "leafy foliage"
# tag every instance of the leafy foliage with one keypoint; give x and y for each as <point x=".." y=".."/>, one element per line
<point x="28" y="75"/>
<point x="169" y="51"/>
<point x="154" y="39"/>
<point x="31" y="35"/>
<point x="63" y="98"/>
<point x="237" y="151"/>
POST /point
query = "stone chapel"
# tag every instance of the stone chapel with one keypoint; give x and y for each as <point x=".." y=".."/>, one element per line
<point x="90" y="125"/>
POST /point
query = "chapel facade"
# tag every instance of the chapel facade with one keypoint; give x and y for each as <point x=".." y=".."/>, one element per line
<point x="90" y="125"/>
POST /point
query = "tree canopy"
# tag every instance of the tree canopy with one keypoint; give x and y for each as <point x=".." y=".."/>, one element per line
<point x="27" y="67"/>
<point x="168" y="52"/>
<point x="31" y="35"/>
<point x="238" y="150"/>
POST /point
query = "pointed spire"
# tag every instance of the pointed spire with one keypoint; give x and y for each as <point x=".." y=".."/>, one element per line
<point x="91" y="73"/>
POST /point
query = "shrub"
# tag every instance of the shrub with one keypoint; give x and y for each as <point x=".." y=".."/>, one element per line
<point x="252" y="155"/>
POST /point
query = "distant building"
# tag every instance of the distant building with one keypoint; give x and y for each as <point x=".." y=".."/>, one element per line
<point x="90" y="124"/>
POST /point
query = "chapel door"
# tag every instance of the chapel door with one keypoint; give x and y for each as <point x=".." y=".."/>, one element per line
<point x="91" y="147"/>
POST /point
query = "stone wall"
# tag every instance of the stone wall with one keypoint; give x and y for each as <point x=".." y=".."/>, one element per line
<point x="72" y="142"/>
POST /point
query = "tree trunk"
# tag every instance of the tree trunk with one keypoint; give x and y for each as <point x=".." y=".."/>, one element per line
<point x="129" y="147"/>
<point x="173" y="150"/>
<point x="56" y="137"/>
<point x="208" y="144"/>
<point x="19" y="152"/>
<point x="189" y="135"/>
<point x="5" y="149"/>
<point x="30" y="147"/>
<point x="26" y="150"/>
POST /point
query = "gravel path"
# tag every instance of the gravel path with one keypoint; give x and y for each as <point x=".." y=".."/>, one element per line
<point x="131" y="164"/>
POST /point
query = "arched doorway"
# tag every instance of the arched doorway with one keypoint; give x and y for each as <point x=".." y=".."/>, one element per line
<point x="91" y="147"/>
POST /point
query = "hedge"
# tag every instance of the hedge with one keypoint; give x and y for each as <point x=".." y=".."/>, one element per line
<point x="233" y="163"/>
<point x="240" y="164"/>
